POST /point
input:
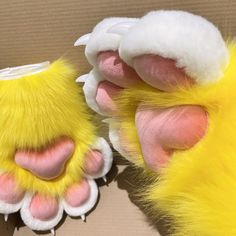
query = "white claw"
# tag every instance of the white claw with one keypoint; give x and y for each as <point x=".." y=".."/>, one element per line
<point x="121" y="28"/>
<point x="106" y="121"/>
<point x="104" y="179"/>
<point x="6" y="217"/>
<point x="81" y="79"/>
<point x="83" y="217"/>
<point x="53" y="231"/>
<point x="83" y="40"/>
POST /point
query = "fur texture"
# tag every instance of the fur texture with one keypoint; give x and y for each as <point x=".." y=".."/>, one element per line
<point x="37" y="109"/>
<point x="195" y="43"/>
<point x="197" y="189"/>
<point x="101" y="40"/>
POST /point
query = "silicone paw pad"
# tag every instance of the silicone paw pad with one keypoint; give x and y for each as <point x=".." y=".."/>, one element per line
<point x="49" y="162"/>
<point x="44" y="207"/>
<point x="94" y="162"/>
<point x="163" y="131"/>
<point x="78" y="194"/>
<point x="10" y="192"/>
<point x="161" y="72"/>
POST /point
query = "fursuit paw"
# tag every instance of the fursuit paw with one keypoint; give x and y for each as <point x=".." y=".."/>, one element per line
<point x="50" y="155"/>
<point x="166" y="52"/>
<point x="43" y="211"/>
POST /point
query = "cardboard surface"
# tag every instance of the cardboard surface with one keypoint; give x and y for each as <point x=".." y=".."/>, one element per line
<point x="34" y="31"/>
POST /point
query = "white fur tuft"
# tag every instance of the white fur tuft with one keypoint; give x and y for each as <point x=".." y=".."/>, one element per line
<point x="195" y="43"/>
<point x="90" y="90"/>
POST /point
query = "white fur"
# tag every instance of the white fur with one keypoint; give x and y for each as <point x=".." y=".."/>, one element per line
<point x="18" y="72"/>
<point x="87" y="206"/>
<point x="195" y="43"/>
<point x="90" y="90"/>
<point x="100" y="40"/>
<point x="7" y="208"/>
<point x="115" y="138"/>
<point x="36" y="224"/>
<point x="102" y="146"/>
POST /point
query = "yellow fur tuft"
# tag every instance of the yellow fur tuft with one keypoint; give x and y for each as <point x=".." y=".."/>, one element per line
<point x="37" y="109"/>
<point x="198" y="187"/>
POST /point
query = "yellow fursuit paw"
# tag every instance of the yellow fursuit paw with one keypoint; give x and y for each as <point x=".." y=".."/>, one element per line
<point x="168" y="87"/>
<point x="49" y="151"/>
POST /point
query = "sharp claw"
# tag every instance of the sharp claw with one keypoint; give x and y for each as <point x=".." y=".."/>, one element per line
<point x="82" y="78"/>
<point x="83" y="40"/>
<point x="53" y="231"/>
<point x="6" y="217"/>
<point x="83" y="217"/>
<point x="121" y="28"/>
<point x="104" y="179"/>
<point x="106" y="121"/>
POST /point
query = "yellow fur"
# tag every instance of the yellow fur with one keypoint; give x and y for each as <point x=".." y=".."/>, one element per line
<point x="37" y="109"/>
<point x="197" y="189"/>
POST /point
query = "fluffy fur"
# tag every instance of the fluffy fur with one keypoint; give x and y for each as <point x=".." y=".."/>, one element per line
<point x="197" y="189"/>
<point x="100" y="40"/>
<point x="195" y="43"/>
<point x="37" y="109"/>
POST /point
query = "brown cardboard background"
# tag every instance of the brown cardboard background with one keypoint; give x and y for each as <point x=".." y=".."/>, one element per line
<point x="33" y="31"/>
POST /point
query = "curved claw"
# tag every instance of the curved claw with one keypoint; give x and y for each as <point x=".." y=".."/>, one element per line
<point x="121" y="28"/>
<point x="81" y="79"/>
<point x="83" y="40"/>
<point x="104" y="179"/>
<point x="53" y="232"/>
<point x="6" y="217"/>
<point x="83" y="217"/>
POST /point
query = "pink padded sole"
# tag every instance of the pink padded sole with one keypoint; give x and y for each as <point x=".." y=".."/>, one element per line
<point x="48" y="163"/>
<point x="162" y="131"/>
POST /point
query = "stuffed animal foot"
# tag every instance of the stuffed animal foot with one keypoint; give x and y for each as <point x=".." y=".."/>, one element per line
<point x="150" y="54"/>
<point x="41" y="211"/>
<point x="50" y="153"/>
<point x="168" y="90"/>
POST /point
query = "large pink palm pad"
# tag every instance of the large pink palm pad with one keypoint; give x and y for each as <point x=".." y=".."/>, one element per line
<point x="161" y="131"/>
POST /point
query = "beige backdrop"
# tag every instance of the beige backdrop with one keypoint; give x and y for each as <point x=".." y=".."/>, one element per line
<point x="33" y="31"/>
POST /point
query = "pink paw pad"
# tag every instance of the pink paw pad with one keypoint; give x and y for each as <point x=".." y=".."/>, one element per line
<point x="161" y="72"/>
<point x="77" y="194"/>
<point x="93" y="162"/>
<point x="44" y="207"/>
<point x="106" y="91"/>
<point x="48" y="163"/>
<point x="10" y="192"/>
<point x="163" y="131"/>
<point x="115" y="70"/>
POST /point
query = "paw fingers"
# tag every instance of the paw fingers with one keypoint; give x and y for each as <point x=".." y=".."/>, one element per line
<point x="161" y="72"/>
<point x="106" y="91"/>
<point x="115" y="70"/>
<point x="78" y="194"/>
<point x="98" y="160"/>
<point x="10" y="192"/>
<point x="44" y="207"/>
